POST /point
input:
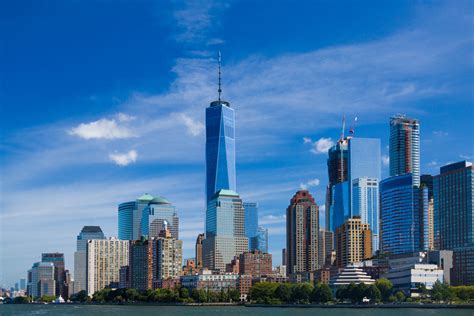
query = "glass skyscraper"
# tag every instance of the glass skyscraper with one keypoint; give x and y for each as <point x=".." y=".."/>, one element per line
<point x="225" y="233"/>
<point x="80" y="256"/>
<point x="454" y="218"/>
<point x="220" y="148"/>
<point x="405" y="147"/>
<point x="260" y="240"/>
<point x="251" y="222"/>
<point x="400" y="223"/>
<point x="365" y="203"/>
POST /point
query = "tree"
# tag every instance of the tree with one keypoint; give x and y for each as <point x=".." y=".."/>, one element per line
<point x="399" y="296"/>
<point x="302" y="293"/>
<point x="183" y="293"/>
<point x="373" y="293"/>
<point x="385" y="287"/>
<point x="21" y="300"/>
<point x="441" y="292"/>
<point x="234" y="295"/>
<point x="47" y="298"/>
<point x="81" y="296"/>
<point x="283" y="292"/>
<point x="132" y="294"/>
<point x="321" y="293"/>
<point x="264" y="293"/>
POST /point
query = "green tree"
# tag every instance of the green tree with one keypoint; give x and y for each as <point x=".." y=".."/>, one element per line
<point x="21" y="300"/>
<point x="183" y="293"/>
<point x="442" y="292"/>
<point x="373" y="293"/>
<point x="132" y="295"/>
<point x="264" y="293"/>
<point x="81" y="296"/>
<point x="400" y="297"/>
<point x="302" y="293"/>
<point x="283" y="292"/>
<point x="385" y="287"/>
<point x="47" y="298"/>
<point x="321" y="293"/>
<point x="234" y="295"/>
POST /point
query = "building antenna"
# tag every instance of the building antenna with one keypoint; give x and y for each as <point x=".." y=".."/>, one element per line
<point x="343" y="127"/>
<point x="219" y="62"/>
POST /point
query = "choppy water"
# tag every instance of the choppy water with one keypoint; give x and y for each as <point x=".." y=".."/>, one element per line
<point x="92" y="310"/>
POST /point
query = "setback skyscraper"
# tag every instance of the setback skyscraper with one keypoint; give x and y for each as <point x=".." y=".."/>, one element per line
<point x="80" y="256"/>
<point x="220" y="146"/>
<point x="302" y="233"/>
<point x="59" y="272"/>
<point x="454" y="218"/>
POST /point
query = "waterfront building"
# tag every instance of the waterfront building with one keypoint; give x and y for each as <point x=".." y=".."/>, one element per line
<point x="454" y="218"/>
<point x="198" y="251"/>
<point x="168" y="256"/>
<point x="59" y="272"/>
<point x="22" y="284"/>
<point x="365" y="203"/>
<point x="400" y="223"/>
<point x="409" y="277"/>
<point x="260" y="241"/>
<point x="352" y="158"/>
<point x="145" y="217"/>
<point x="353" y="242"/>
<point x="41" y="280"/>
<point x="104" y="260"/>
<point x="80" y="255"/>
<point x="220" y="146"/>
<point x="205" y="279"/>
<point x="255" y="263"/>
<point x="325" y="247"/>
<point x="251" y="223"/>
<point x="444" y="260"/>
<point x="140" y="263"/>
<point x="405" y="147"/>
<point x="302" y="232"/>
<point x="225" y="235"/>
<point x="350" y="274"/>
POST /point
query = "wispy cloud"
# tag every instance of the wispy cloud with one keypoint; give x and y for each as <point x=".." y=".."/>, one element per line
<point x="385" y="160"/>
<point x="194" y="127"/>
<point x="322" y="145"/>
<point x="124" y="159"/>
<point x="310" y="183"/>
<point x="103" y="129"/>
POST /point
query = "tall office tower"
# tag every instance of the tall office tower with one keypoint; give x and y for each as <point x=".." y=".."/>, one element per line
<point x="405" y="147"/>
<point x="353" y="242"/>
<point x="140" y="265"/>
<point x="41" y="280"/>
<point x="400" y="222"/>
<point x="350" y="159"/>
<point x="104" y="260"/>
<point x="365" y="203"/>
<point x="22" y="284"/>
<point x="168" y="256"/>
<point x="302" y="232"/>
<point x="283" y="257"/>
<point x="220" y="146"/>
<point x="260" y="241"/>
<point x="454" y="218"/>
<point x="59" y="276"/>
<point x="251" y="222"/>
<point x="325" y="247"/>
<point x="426" y="215"/>
<point x="145" y="217"/>
<point x="80" y="256"/>
<point x="225" y="234"/>
<point x="198" y="251"/>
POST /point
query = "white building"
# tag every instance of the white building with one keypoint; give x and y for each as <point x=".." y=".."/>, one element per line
<point x="350" y="274"/>
<point x="104" y="259"/>
<point x="409" y="277"/>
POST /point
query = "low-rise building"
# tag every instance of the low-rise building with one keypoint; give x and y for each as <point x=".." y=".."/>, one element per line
<point x="350" y="274"/>
<point x="255" y="263"/>
<point x="205" y="279"/>
<point x="409" y="277"/>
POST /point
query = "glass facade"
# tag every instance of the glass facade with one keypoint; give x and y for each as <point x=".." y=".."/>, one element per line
<point x="339" y="210"/>
<point x="405" y="147"/>
<point x="220" y="148"/>
<point x="365" y="203"/>
<point x="125" y="220"/>
<point x="454" y="218"/>
<point x="400" y="224"/>
<point x="260" y="241"/>
<point x="251" y="222"/>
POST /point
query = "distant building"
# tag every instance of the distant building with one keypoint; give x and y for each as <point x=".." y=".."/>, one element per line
<point x="233" y="266"/>
<point x="22" y="284"/>
<point x="168" y="253"/>
<point x="405" y="147"/>
<point x="350" y="274"/>
<point x="302" y="232"/>
<point x="41" y="280"/>
<point x="454" y="218"/>
<point x="190" y="267"/>
<point x="283" y="257"/>
<point x="255" y="263"/>
<point x="251" y="223"/>
<point x="365" y="203"/>
<point x="145" y="217"/>
<point x="104" y="260"/>
<point x="325" y="247"/>
<point x="260" y="241"/>
<point x="426" y="215"/>
<point x="225" y="235"/>
<point x="198" y="250"/>
<point x="353" y="242"/>
<point x="211" y="282"/>
<point x="400" y="220"/>
<point x="80" y="256"/>
<point x="59" y="272"/>
<point x="140" y="264"/>
<point x="410" y="277"/>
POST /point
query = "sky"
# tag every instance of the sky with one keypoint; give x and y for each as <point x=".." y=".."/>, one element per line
<point x="102" y="102"/>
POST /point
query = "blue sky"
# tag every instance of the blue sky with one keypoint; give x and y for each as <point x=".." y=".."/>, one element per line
<point x="102" y="102"/>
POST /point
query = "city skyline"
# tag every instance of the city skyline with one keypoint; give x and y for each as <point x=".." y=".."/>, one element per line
<point x="82" y="152"/>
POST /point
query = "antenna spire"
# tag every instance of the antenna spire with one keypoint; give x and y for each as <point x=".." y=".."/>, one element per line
<point x="219" y="62"/>
<point x="343" y="127"/>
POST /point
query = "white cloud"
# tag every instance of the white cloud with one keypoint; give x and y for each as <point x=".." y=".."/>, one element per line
<point x="125" y="158"/>
<point x="122" y="117"/>
<point x="440" y="133"/>
<point x="310" y="183"/>
<point x="385" y="160"/>
<point x="101" y="129"/>
<point x="194" y="127"/>
<point x="433" y="163"/>
<point x="322" y="145"/>
<point x="307" y="140"/>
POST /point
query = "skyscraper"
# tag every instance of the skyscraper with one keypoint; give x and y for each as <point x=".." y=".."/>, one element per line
<point x="220" y="146"/>
<point x="145" y="217"/>
<point x="260" y="241"/>
<point x="140" y="264"/>
<point x="365" y="203"/>
<point x="400" y="222"/>
<point x="251" y="221"/>
<point x="350" y="159"/>
<point x="353" y="242"/>
<point x="325" y="247"/>
<point x="80" y="256"/>
<point x="454" y="218"/>
<point x="104" y="260"/>
<point x="59" y="273"/>
<point x="302" y="232"/>
<point x="41" y="280"/>
<point x="198" y="251"/>
<point x="225" y="234"/>
<point x="168" y="256"/>
<point x="405" y="147"/>
<point x="426" y="212"/>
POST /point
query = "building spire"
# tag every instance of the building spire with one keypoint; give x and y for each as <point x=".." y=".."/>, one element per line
<point x="219" y="62"/>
